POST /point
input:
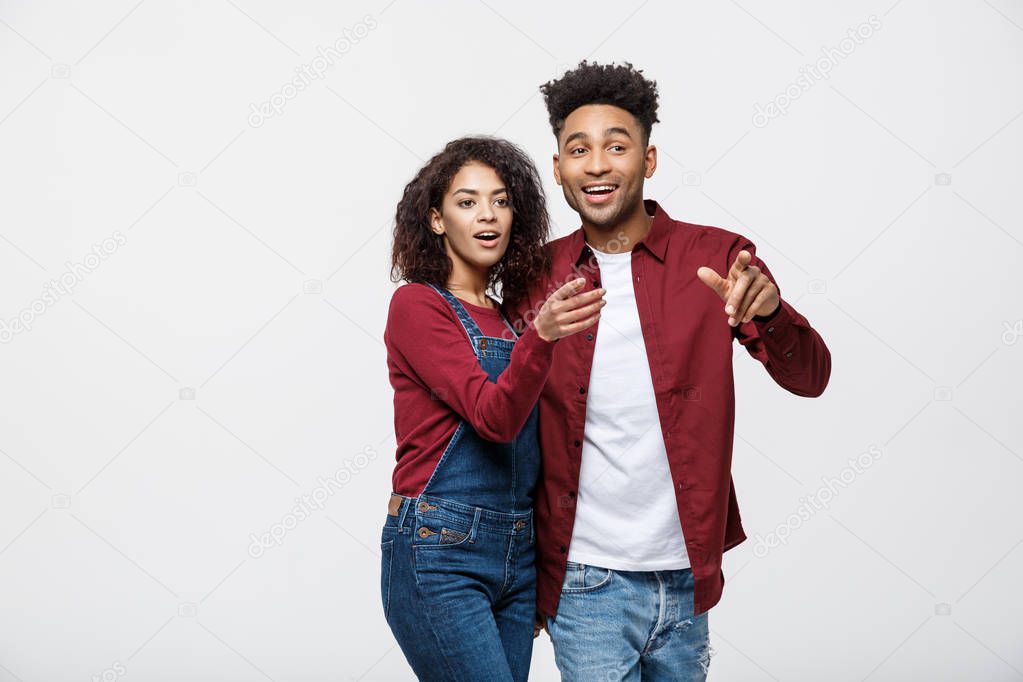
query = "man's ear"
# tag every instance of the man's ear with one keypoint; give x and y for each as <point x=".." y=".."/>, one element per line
<point x="650" y="160"/>
<point x="436" y="222"/>
<point x="557" y="171"/>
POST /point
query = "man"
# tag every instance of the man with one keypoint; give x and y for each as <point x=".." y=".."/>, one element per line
<point x="636" y="504"/>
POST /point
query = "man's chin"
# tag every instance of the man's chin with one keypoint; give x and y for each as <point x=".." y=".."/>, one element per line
<point x="602" y="216"/>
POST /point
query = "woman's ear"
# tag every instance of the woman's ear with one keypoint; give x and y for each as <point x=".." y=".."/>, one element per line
<point x="436" y="222"/>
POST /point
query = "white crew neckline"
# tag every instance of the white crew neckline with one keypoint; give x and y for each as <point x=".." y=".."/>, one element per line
<point x="607" y="255"/>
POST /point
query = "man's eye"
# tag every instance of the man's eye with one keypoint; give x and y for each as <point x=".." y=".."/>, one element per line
<point x="576" y="151"/>
<point x="618" y="147"/>
<point x="466" y="203"/>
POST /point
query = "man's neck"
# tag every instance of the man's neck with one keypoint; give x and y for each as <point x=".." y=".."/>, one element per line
<point x="624" y="234"/>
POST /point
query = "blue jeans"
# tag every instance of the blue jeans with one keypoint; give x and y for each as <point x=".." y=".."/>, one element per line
<point x="615" y="626"/>
<point x="459" y="590"/>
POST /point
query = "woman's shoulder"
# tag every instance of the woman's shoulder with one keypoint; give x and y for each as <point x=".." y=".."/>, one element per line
<point x="417" y="298"/>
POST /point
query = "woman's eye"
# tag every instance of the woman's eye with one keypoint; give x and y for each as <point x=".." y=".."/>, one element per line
<point x="502" y="202"/>
<point x="466" y="203"/>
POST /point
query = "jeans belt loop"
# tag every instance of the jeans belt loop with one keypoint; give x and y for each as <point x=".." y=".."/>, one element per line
<point x="402" y="512"/>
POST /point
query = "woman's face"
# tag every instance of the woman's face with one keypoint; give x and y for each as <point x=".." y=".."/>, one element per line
<point x="475" y="217"/>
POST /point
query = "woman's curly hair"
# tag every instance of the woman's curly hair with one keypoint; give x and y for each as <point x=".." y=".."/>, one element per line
<point x="418" y="253"/>
<point x="620" y="85"/>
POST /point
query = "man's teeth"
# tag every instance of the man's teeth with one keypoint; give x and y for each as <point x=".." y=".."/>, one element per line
<point x="600" y="188"/>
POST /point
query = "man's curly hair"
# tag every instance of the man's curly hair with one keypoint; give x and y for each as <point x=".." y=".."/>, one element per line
<point x="418" y="254"/>
<point x="620" y="85"/>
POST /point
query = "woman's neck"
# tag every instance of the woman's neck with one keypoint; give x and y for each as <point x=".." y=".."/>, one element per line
<point x="469" y="285"/>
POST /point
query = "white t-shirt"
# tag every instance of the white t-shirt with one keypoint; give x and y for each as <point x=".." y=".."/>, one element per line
<point x="626" y="515"/>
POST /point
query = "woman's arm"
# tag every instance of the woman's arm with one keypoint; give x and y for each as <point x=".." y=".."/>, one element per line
<point x="425" y="338"/>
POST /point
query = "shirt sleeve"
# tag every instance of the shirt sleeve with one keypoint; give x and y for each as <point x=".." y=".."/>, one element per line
<point x="793" y="353"/>
<point x="428" y="341"/>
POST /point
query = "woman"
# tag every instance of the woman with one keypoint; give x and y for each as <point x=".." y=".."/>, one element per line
<point x="457" y="578"/>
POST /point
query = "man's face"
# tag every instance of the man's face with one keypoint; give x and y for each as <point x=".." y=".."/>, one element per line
<point x="601" y="163"/>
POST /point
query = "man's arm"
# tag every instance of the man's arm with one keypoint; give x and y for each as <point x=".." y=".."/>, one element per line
<point x="770" y="329"/>
<point x="792" y="351"/>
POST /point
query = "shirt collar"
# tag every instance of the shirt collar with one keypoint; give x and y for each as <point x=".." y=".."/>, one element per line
<point x="656" y="241"/>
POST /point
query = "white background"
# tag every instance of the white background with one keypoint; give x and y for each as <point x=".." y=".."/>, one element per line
<point x="209" y="370"/>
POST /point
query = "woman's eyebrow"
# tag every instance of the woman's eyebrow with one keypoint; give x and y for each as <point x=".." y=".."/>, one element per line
<point x="499" y="190"/>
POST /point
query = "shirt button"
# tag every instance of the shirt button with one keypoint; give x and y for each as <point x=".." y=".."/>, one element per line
<point x="770" y="329"/>
<point x="596" y="283"/>
<point x="789" y="354"/>
<point x="571" y="493"/>
<point x="577" y="443"/>
<point x="589" y="337"/>
<point x="563" y="549"/>
<point x="582" y="389"/>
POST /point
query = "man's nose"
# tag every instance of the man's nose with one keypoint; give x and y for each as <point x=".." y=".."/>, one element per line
<point x="596" y="163"/>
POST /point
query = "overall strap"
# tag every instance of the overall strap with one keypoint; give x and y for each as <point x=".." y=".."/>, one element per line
<point x="510" y="327"/>
<point x="468" y="324"/>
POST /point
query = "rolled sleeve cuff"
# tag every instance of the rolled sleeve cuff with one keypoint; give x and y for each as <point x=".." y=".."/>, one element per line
<point x="775" y="329"/>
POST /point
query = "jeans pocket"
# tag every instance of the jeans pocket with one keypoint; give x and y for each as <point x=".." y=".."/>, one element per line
<point x="386" y="551"/>
<point x="444" y="530"/>
<point x="583" y="578"/>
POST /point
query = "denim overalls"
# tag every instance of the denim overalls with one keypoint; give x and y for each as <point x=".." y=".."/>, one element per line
<point x="457" y="578"/>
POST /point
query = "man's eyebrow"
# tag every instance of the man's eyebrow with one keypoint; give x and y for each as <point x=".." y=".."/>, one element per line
<point x="615" y="130"/>
<point x="575" y="136"/>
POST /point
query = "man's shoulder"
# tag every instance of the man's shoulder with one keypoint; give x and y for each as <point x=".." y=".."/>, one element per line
<point x="557" y="247"/>
<point x="691" y="239"/>
<point x="709" y="235"/>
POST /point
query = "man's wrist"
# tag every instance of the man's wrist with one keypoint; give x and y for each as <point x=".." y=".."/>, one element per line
<point x="770" y="316"/>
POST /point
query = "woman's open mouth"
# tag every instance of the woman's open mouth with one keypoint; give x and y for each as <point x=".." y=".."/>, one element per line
<point x="598" y="194"/>
<point x="487" y="240"/>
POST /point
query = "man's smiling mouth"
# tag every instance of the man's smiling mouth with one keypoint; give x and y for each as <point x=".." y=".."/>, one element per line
<point x="600" y="189"/>
<point x="598" y="193"/>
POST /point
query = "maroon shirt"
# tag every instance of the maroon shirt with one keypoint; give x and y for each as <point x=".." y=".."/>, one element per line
<point x="689" y="347"/>
<point x="438" y="381"/>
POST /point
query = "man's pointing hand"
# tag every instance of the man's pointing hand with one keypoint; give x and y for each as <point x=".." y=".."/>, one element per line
<point x="746" y="290"/>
